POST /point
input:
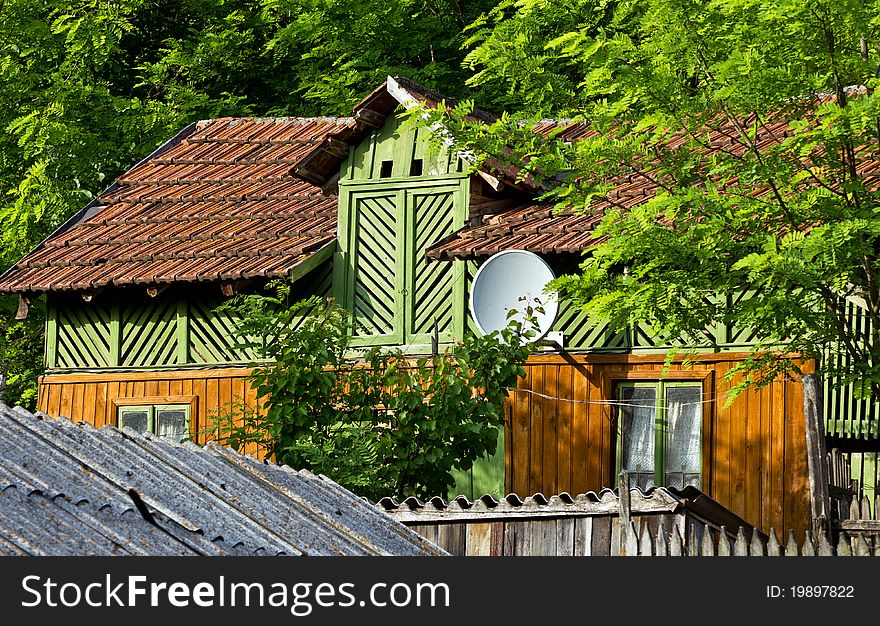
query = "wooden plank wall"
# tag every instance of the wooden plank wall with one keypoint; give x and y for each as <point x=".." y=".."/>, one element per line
<point x="571" y="535"/>
<point x="754" y="451"/>
<point x="754" y="455"/>
<point x="90" y="397"/>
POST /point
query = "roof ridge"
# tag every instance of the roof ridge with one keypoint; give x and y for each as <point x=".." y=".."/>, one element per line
<point x="271" y="119"/>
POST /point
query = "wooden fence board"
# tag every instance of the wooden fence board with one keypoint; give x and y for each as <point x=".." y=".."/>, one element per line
<point x="478" y="539"/>
<point x="601" y="543"/>
<point x="565" y="528"/>
<point x="583" y="533"/>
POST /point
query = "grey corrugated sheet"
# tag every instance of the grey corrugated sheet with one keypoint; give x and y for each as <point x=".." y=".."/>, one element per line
<point x="606" y="502"/>
<point x="656" y="500"/>
<point x="72" y="489"/>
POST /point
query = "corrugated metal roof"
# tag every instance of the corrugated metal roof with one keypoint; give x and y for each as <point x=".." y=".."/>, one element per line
<point x="73" y="489"/>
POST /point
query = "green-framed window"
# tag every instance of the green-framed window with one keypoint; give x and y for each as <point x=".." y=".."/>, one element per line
<point x="170" y="421"/>
<point x="659" y="434"/>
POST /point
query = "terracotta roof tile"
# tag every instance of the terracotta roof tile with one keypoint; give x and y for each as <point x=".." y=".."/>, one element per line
<point x="222" y="202"/>
<point x="531" y="226"/>
<point x="537" y="227"/>
<point x="219" y="204"/>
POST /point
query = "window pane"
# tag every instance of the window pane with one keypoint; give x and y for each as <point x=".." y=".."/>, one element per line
<point x="134" y="419"/>
<point x="683" y="421"/>
<point x="637" y="417"/>
<point x="172" y="423"/>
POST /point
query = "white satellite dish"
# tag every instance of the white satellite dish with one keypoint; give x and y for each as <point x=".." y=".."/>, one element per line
<point x="513" y="279"/>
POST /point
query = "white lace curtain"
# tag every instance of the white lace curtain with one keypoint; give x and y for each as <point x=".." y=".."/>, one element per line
<point x="682" y="445"/>
<point x="638" y="414"/>
<point x="683" y="436"/>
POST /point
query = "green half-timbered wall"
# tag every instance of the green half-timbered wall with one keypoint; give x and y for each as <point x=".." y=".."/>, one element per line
<point x="580" y="335"/>
<point x="846" y="415"/>
<point x="127" y="329"/>
<point x="396" y="153"/>
<point x="397" y="196"/>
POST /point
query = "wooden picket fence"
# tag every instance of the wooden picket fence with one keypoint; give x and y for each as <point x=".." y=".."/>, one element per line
<point x="711" y="542"/>
<point x="853" y="511"/>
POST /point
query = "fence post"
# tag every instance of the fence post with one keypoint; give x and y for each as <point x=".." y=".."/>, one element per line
<point x="816" y="460"/>
<point x="861" y="546"/>
<point x="825" y="547"/>
<point x="645" y="546"/>
<point x="624" y="512"/>
<point x="693" y="548"/>
<point x="854" y="508"/>
<point x="756" y="547"/>
<point x="723" y="543"/>
<point x="740" y="548"/>
<point x="708" y="546"/>
<point x="843" y="548"/>
<point x="809" y="548"/>
<point x="675" y="542"/>
<point x="662" y="549"/>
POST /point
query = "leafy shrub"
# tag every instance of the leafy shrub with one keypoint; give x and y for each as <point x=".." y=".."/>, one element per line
<point x="382" y="424"/>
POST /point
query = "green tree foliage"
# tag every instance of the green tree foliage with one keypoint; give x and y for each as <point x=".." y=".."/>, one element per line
<point x="89" y="88"/>
<point x="381" y="424"/>
<point x="346" y="49"/>
<point x="756" y="120"/>
<point x="521" y="53"/>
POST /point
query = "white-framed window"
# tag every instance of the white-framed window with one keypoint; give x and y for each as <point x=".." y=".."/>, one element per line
<point x="659" y="432"/>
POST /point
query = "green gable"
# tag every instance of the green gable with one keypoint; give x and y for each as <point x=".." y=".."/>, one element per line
<point x="397" y="197"/>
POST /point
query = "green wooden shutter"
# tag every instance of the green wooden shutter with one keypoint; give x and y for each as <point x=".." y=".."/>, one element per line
<point x="431" y="285"/>
<point x="381" y="274"/>
<point x="375" y="290"/>
<point x="149" y="331"/>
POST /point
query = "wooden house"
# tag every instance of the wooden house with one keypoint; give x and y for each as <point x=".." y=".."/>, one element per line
<point x="363" y="209"/>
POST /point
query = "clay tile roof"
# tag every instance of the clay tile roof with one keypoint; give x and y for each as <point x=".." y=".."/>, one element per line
<point x="539" y="228"/>
<point x="531" y="226"/>
<point x="217" y="202"/>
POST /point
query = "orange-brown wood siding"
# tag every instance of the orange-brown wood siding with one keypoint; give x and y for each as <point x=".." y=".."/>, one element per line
<point x="753" y="451"/>
<point x="93" y="398"/>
